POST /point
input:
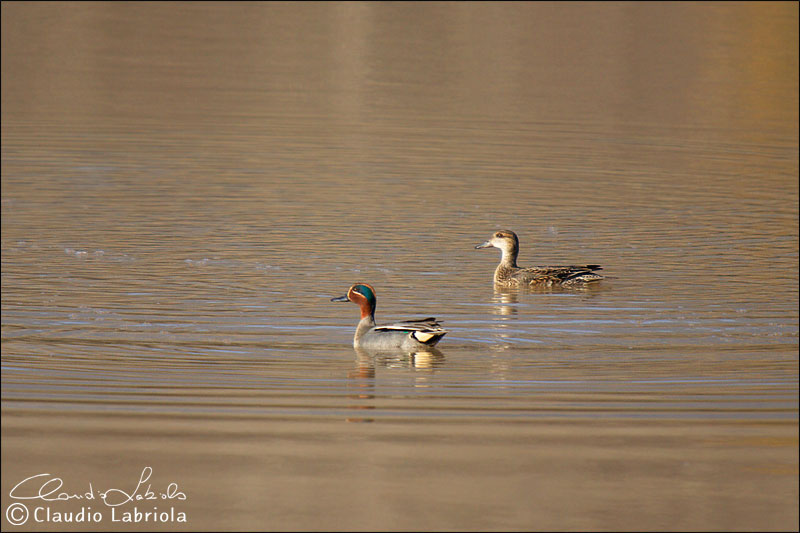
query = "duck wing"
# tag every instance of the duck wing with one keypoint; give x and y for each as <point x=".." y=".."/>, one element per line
<point x="425" y="330"/>
<point x="562" y="274"/>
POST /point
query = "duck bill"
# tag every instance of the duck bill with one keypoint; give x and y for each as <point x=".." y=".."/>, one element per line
<point x="341" y="299"/>
<point x="487" y="244"/>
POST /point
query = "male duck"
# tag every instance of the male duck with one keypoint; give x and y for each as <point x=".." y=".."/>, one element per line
<point x="508" y="274"/>
<point x="408" y="335"/>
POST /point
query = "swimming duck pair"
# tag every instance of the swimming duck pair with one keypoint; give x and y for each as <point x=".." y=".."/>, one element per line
<point x="425" y="333"/>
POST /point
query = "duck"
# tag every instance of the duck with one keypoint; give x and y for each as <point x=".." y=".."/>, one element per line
<point x="508" y="274"/>
<point x="409" y="335"/>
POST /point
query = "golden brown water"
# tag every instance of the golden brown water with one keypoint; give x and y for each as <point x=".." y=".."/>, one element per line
<point x="186" y="185"/>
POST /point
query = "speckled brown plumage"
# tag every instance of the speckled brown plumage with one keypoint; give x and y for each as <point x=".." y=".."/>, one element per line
<point x="508" y="274"/>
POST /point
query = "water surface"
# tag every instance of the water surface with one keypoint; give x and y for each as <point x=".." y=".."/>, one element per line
<point x="185" y="187"/>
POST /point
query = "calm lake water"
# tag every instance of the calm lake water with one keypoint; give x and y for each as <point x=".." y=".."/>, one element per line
<point x="186" y="185"/>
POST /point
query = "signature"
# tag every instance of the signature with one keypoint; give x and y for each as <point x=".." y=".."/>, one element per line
<point x="48" y="488"/>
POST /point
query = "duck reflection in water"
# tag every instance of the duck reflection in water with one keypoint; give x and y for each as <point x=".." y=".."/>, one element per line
<point x="363" y="378"/>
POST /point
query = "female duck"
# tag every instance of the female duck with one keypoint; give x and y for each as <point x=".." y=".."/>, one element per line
<point x="508" y="274"/>
<point x="408" y="335"/>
